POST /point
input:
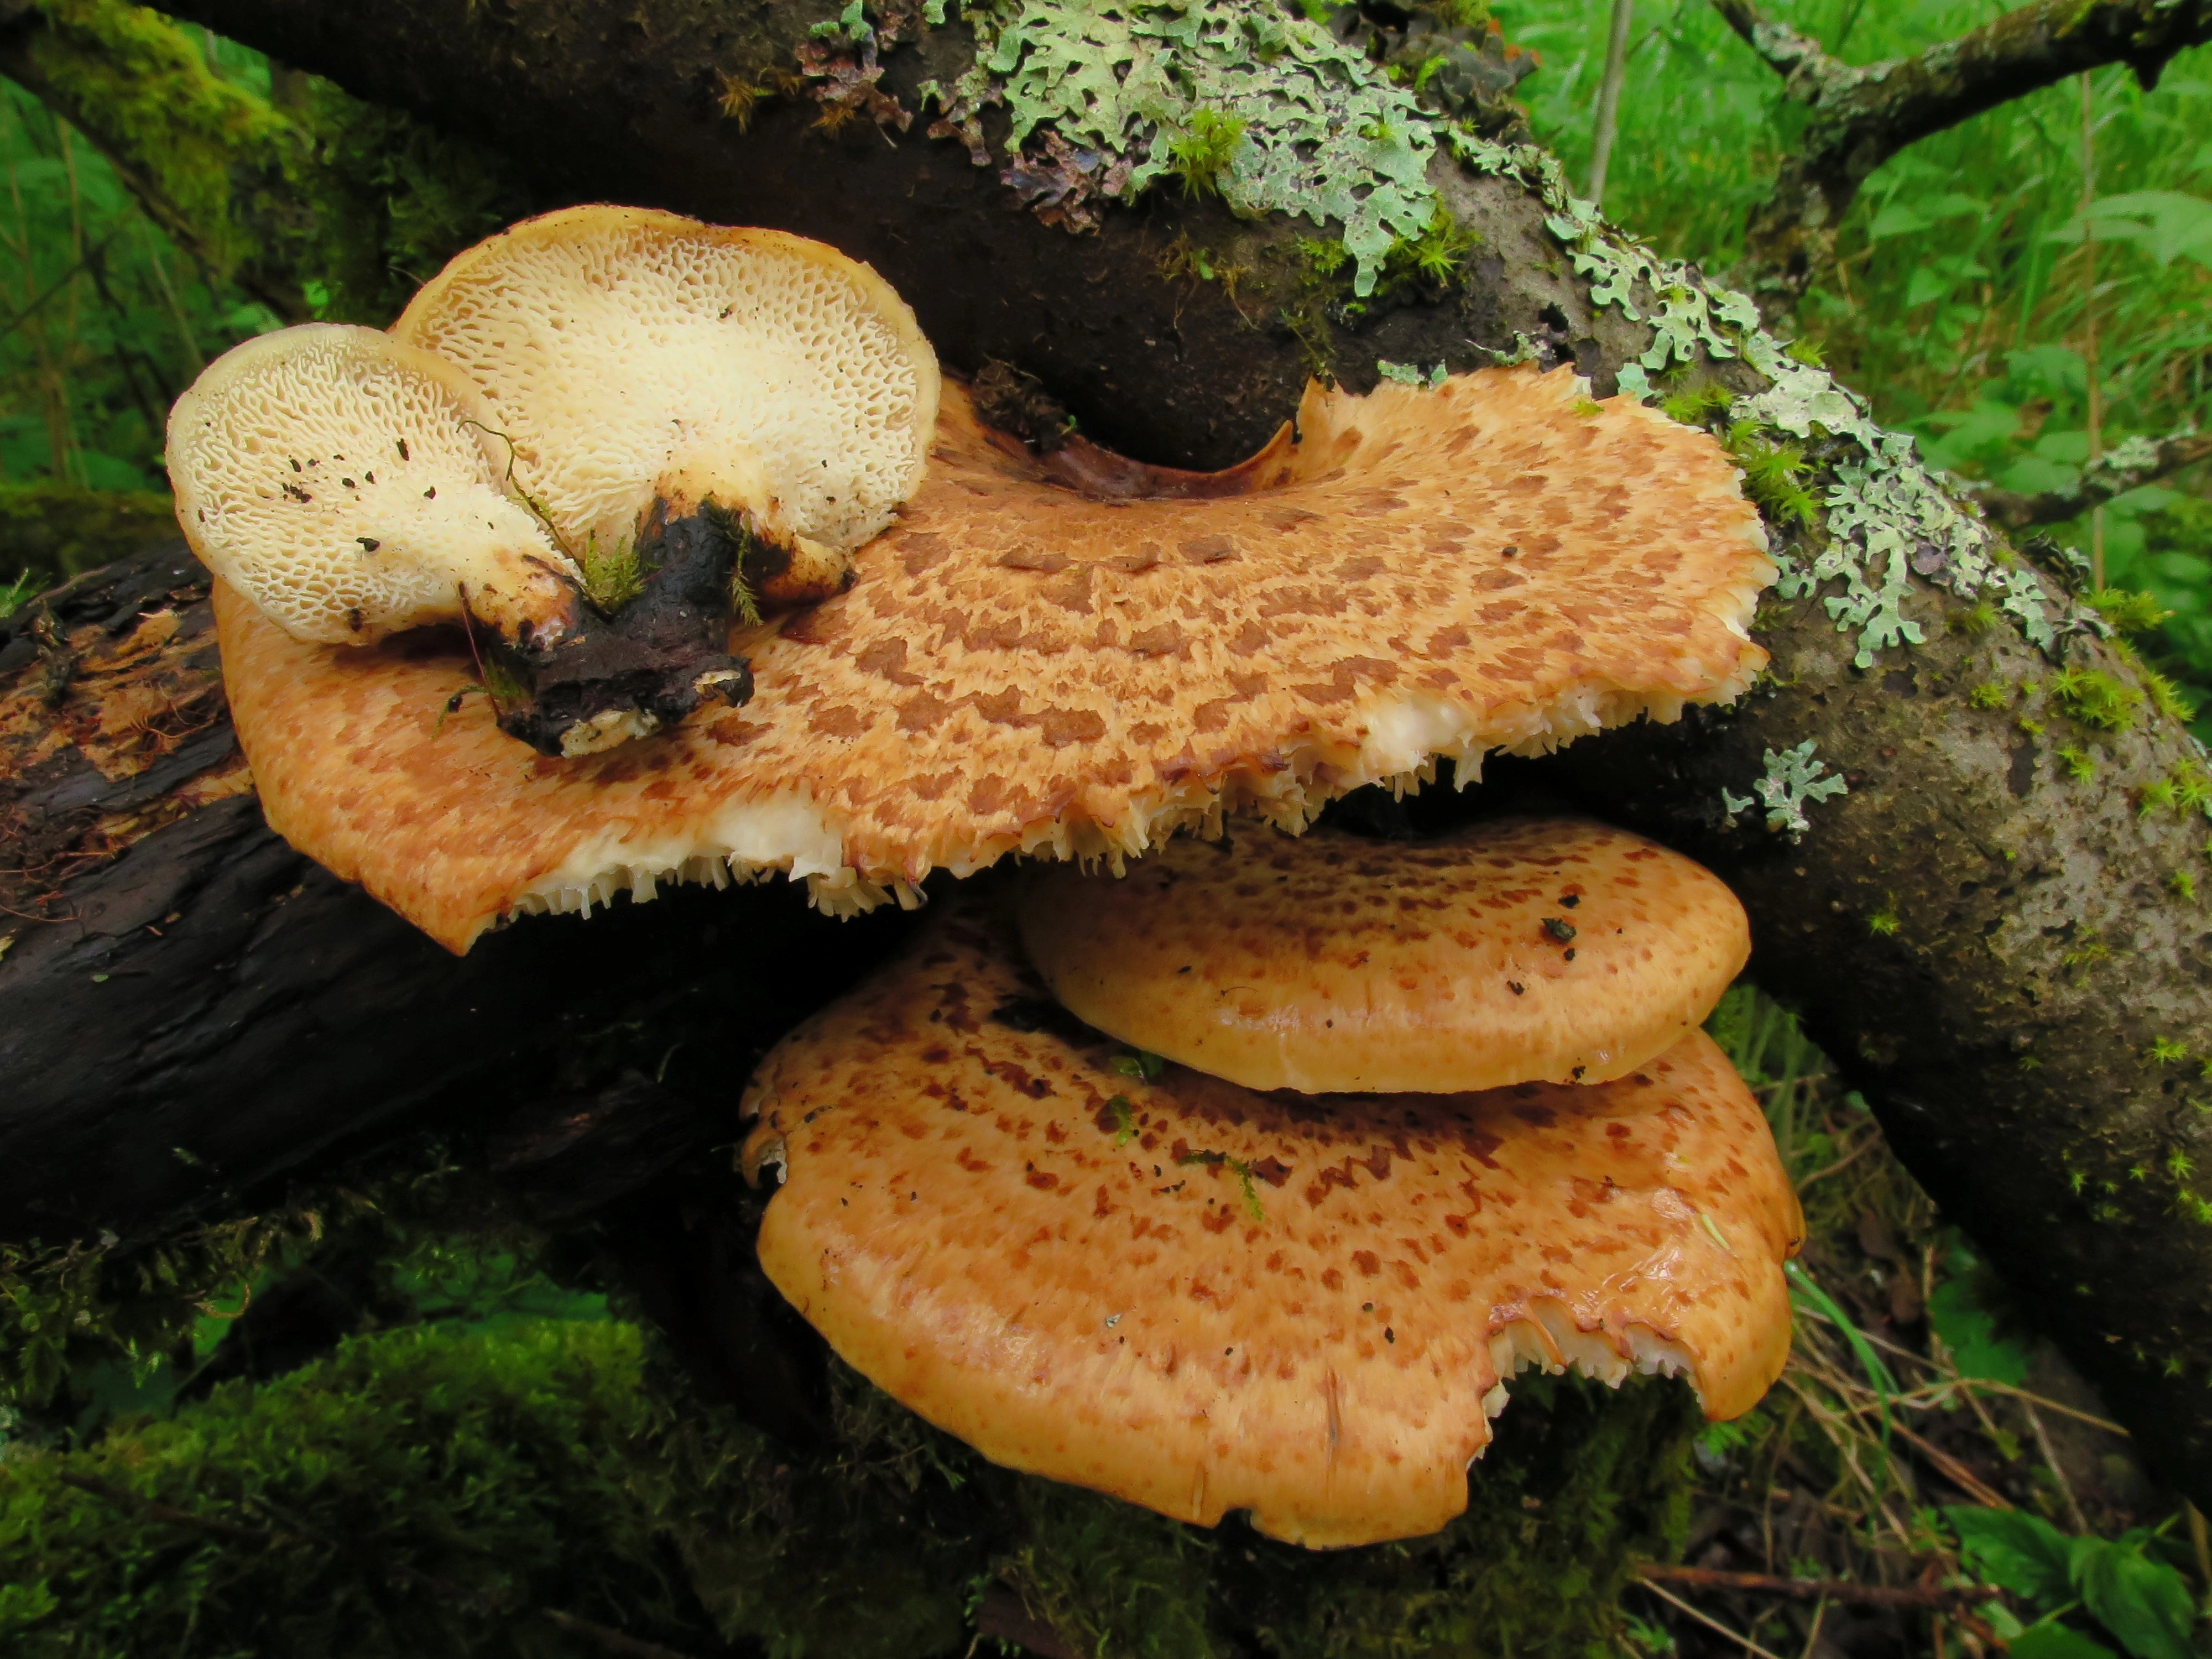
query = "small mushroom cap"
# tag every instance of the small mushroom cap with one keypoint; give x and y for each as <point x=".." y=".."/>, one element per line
<point x="1202" y="1299"/>
<point x="614" y="342"/>
<point x="1026" y="667"/>
<point x="343" y="482"/>
<point x="1512" y="951"/>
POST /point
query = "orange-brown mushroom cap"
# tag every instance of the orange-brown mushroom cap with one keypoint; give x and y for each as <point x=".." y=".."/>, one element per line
<point x="1526" y="950"/>
<point x="1024" y="667"/>
<point x="1202" y="1299"/>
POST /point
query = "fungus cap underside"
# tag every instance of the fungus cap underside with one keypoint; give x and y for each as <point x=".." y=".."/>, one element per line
<point x="618" y="345"/>
<point x="344" y="480"/>
<point x="1023" y="668"/>
<point x="1201" y="1299"/>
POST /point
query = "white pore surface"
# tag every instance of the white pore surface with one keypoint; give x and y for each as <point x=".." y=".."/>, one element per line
<point x="611" y="345"/>
<point x="286" y="459"/>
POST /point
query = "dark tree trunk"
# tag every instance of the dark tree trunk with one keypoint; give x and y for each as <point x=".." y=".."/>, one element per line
<point x="1995" y="931"/>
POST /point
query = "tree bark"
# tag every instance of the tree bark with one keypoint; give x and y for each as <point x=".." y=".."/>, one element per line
<point x="1995" y="931"/>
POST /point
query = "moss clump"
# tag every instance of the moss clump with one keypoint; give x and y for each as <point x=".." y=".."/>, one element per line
<point x="50" y="531"/>
<point x="450" y="1489"/>
<point x="423" y="1492"/>
<point x="324" y="206"/>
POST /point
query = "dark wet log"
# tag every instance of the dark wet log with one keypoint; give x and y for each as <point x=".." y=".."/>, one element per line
<point x="189" y="1009"/>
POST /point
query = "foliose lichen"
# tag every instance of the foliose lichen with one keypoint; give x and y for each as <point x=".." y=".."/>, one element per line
<point x="1794" y="780"/>
<point x="1410" y="374"/>
<point x="1122" y="83"/>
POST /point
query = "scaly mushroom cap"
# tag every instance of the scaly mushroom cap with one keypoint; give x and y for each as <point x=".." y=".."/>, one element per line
<point x="343" y="482"/>
<point x="1508" y="952"/>
<point x="621" y="347"/>
<point x="1202" y="1299"/>
<point x="1024" y="667"/>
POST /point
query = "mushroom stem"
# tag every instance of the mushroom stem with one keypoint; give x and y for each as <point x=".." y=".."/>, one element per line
<point x="628" y="672"/>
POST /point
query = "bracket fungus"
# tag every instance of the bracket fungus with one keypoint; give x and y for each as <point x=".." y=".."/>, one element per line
<point x="345" y="482"/>
<point x="1074" y="657"/>
<point x="1201" y="1298"/>
<point x="747" y="405"/>
<point x="1561" y="951"/>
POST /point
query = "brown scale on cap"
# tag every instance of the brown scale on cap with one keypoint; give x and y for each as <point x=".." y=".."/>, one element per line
<point x="1032" y="660"/>
<point x="1552" y="949"/>
<point x="1202" y="1299"/>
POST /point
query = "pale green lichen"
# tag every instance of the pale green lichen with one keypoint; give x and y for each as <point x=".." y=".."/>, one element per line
<point x="1318" y="130"/>
<point x="1410" y="374"/>
<point x="1794" y="780"/>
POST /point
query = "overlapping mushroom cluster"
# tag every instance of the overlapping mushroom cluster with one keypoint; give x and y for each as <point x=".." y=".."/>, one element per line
<point x="592" y="437"/>
<point x="1007" y="1202"/>
<point x="1244" y="1182"/>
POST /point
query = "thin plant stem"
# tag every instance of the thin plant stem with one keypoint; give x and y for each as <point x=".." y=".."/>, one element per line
<point x="2089" y="320"/>
<point x="2051" y="1460"/>
<point x="1714" y="1625"/>
<point x="1608" y="96"/>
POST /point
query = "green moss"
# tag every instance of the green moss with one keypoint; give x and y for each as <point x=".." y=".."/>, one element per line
<point x="50" y="531"/>
<point x="327" y="207"/>
<point x="461" y="1489"/>
<point x="2127" y="613"/>
<point x="2079" y="765"/>
<point x="1988" y="694"/>
<point x="1201" y="153"/>
<point x="613" y="577"/>
<point x="2095" y="698"/>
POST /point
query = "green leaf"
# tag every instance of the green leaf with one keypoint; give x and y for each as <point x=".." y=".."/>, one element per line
<point x="2015" y="1551"/>
<point x="2142" y="1601"/>
<point x="1970" y="1330"/>
<point x="2051" y="1640"/>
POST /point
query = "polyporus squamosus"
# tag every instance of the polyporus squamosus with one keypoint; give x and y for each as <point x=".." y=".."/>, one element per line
<point x="1532" y="949"/>
<point x="347" y="485"/>
<point x="644" y="366"/>
<point x="1201" y="1298"/>
<point x="1026" y="666"/>
<point x="601" y="434"/>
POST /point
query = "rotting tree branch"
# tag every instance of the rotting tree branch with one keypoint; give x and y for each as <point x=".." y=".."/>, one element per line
<point x="1994" y="930"/>
<point x="1862" y="116"/>
<point x="2141" y="461"/>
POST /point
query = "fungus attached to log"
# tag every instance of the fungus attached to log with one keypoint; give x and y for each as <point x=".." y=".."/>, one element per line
<point x="1076" y="656"/>
<point x="345" y="482"/>
<point x="645" y="365"/>
<point x="1199" y="1298"/>
<point x="1563" y="951"/>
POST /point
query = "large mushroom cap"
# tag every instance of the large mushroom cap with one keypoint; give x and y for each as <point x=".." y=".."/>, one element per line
<point x="344" y="481"/>
<point x="620" y="346"/>
<point x="1202" y="1299"/>
<point x="1024" y="667"/>
<point x="1507" y="952"/>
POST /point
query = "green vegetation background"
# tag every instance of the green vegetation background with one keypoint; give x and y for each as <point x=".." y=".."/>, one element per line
<point x="497" y="1459"/>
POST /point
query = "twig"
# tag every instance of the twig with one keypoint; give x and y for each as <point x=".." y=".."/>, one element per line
<point x="1744" y="1642"/>
<point x="1832" y="1590"/>
<point x="1863" y="116"/>
<point x="605" y="1640"/>
<point x="1872" y="1140"/>
<point x="168" y="1515"/>
<point x="2057" y="1472"/>
<point x="2120" y="470"/>
<point x="1955" y="1471"/>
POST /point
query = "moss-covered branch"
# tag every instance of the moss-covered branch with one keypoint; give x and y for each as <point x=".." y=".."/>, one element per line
<point x="2137" y="462"/>
<point x="1862" y="116"/>
<point x="321" y="206"/>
